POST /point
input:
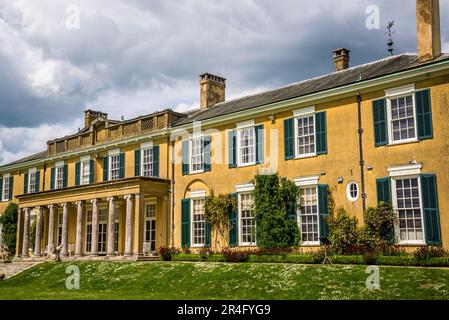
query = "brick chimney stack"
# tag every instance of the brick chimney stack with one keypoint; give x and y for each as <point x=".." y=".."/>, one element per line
<point x="429" y="30"/>
<point x="341" y="59"/>
<point x="91" y="115"/>
<point x="212" y="90"/>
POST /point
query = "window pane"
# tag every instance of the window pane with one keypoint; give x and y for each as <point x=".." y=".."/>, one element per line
<point x="309" y="215"/>
<point x="247" y="146"/>
<point x="147" y="162"/>
<point x="248" y="221"/>
<point x="198" y="222"/>
<point x="306" y="135"/>
<point x="409" y="210"/>
<point x="197" y="155"/>
<point x="403" y="121"/>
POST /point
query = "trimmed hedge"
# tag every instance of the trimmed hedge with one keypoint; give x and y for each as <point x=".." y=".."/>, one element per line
<point x="310" y="259"/>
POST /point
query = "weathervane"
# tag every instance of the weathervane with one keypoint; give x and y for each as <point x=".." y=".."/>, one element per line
<point x="390" y="40"/>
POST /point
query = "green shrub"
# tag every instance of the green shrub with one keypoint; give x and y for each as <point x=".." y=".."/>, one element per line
<point x="255" y="258"/>
<point x="187" y="257"/>
<point x="300" y="259"/>
<point x="438" y="262"/>
<point x="379" y="222"/>
<point x="349" y="260"/>
<point x="395" y="261"/>
<point x="343" y="234"/>
<point x="236" y="255"/>
<point x="424" y="254"/>
<point x="216" y="258"/>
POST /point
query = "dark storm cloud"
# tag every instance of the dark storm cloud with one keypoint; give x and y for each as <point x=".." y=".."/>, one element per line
<point x="135" y="57"/>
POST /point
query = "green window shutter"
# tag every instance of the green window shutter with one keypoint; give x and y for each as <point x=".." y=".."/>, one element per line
<point x="383" y="190"/>
<point x="185" y="158"/>
<point x="289" y="139"/>
<point x="77" y="173"/>
<point x="207" y="154"/>
<point x="38" y="180"/>
<point x="122" y="166"/>
<point x="232" y="140"/>
<point x="156" y="161"/>
<point x="260" y="150"/>
<point x="323" y="208"/>
<point x="233" y="225"/>
<point x="185" y="228"/>
<point x="207" y="234"/>
<point x="321" y="133"/>
<point x="430" y="208"/>
<point x="11" y="187"/>
<point x="65" y="176"/>
<point x="424" y="114"/>
<point x="91" y="171"/>
<point x="106" y="168"/>
<point x="52" y="178"/>
<point x="137" y="163"/>
<point x="25" y="183"/>
<point x="380" y="122"/>
<point x="1" y="189"/>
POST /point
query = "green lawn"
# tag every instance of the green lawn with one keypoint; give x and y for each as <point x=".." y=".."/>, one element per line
<point x="171" y="280"/>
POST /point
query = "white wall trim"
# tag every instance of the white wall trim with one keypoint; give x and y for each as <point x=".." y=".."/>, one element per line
<point x="114" y="152"/>
<point x="85" y="158"/>
<point x="146" y="145"/>
<point x="405" y="170"/>
<point x="400" y="91"/>
<point x="307" y="181"/>
<point x="59" y="164"/>
<point x="245" y="188"/>
<point x="32" y="170"/>
<point x="197" y="194"/>
<point x="304" y="111"/>
<point x="246" y="124"/>
<point x="6" y="175"/>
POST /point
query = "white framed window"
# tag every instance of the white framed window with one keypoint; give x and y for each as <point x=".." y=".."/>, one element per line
<point x="197" y="155"/>
<point x="102" y="231"/>
<point x="352" y="191"/>
<point x="147" y="162"/>
<point x="85" y="171"/>
<point x="150" y="226"/>
<point x="246" y="146"/>
<point x="60" y="221"/>
<point x="32" y="181"/>
<point x="6" y="187"/>
<point x="114" y="166"/>
<point x="247" y="219"/>
<point x="407" y="201"/>
<point x="59" y="179"/>
<point x="309" y="216"/>
<point x="305" y="136"/>
<point x="198" y="222"/>
<point x="401" y="115"/>
<point x="89" y="231"/>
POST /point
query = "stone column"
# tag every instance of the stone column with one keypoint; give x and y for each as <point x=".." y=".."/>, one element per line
<point x="94" y="248"/>
<point x="111" y="226"/>
<point x="140" y="224"/>
<point x="51" y="229"/>
<point x="65" y="230"/>
<point x="26" y="233"/>
<point x="79" y="229"/>
<point x="19" y="231"/>
<point x="38" y="234"/>
<point x="129" y="226"/>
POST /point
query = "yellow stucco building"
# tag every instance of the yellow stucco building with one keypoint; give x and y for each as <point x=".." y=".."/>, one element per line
<point x="370" y="133"/>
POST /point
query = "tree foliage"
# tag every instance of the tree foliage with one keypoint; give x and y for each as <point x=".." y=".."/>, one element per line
<point x="217" y="211"/>
<point x="8" y="220"/>
<point x="274" y="198"/>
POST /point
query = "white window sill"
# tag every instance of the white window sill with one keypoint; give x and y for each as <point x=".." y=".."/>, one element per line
<point x="412" y="243"/>
<point x="310" y="244"/>
<point x="306" y="156"/>
<point x="198" y="246"/>
<point x="252" y="245"/>
<point x="397" y="143"/>
<point x="192" y="172"/>
<point x="246" y="165"/>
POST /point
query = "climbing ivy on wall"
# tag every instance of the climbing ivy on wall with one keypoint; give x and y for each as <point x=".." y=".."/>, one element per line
<point x="276" y="201"/>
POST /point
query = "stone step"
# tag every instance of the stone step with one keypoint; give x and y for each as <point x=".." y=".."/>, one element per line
<point x="12" y="269"/>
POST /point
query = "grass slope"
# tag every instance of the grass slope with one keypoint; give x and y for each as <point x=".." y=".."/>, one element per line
<point x="103" y="280"/>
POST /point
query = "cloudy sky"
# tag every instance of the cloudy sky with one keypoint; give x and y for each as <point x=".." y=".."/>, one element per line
<point x="133" y="57"/>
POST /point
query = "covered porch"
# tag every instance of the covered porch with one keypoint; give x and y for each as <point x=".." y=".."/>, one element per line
<point x="123" y="220"/>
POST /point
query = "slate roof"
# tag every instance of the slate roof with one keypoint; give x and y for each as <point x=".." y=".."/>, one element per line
<point x="32" y="157"/>
<point x="349" y="76"/>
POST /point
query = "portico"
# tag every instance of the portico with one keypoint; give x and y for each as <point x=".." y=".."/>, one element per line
<point x="98" y="221"/>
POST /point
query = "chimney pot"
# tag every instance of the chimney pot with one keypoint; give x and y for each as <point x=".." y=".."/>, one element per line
<point x="341" y="59"/>
<point x="429" y="33"/>
<point x="212" y="90"/>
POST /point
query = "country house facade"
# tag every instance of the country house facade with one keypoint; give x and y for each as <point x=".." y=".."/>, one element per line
<point x="371" y="133"/>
